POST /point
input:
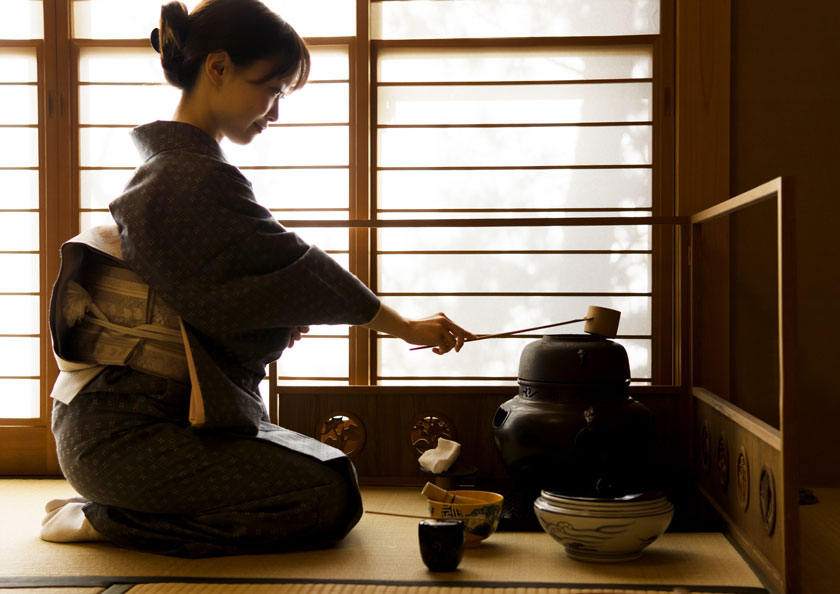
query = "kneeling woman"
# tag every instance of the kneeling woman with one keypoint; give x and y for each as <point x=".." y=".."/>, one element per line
<point x="163" y="325"/>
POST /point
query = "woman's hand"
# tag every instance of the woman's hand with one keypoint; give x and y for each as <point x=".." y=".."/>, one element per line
<point x="437" y="331"/>
<point x="297" y="334"/>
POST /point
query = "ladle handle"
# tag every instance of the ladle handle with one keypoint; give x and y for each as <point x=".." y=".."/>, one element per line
<point x="500" y="334"/>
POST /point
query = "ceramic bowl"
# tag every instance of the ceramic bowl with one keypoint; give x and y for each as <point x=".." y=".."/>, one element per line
<point x="625" y="501"/>
<point x="480" y="519"/>
<point x="643" y="504"/>
<point x="603" y="533"/>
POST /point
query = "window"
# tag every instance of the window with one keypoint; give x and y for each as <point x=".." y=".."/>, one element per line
<point x="416" y="110"/>
<point x="512" y="131"/>
<point x="21" y="61"/>
<point x="515" y="110"/>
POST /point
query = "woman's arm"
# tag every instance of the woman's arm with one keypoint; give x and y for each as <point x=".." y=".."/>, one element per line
<point x="437" y="330"/>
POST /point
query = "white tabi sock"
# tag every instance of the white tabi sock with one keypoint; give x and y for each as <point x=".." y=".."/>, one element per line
<point x="66" y="522"/>
<point x="54" y="504"/>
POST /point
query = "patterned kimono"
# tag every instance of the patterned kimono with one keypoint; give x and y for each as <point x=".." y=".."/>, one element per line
<point x="188" y="464"/>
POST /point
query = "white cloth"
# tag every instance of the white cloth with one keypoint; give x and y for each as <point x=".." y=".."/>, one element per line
<point x="441" y="458"/>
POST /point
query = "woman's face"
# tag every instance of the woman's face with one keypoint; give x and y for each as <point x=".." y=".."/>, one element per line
<point x="247" y="103"/>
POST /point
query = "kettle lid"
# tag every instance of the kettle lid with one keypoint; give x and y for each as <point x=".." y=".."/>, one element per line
<point x="574" y="359"/>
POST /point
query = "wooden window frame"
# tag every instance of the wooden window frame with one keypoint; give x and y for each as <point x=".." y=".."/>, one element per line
<point x="46" y="107"/>
<point x="28" y="445"/>
<point x="663" y="334"/>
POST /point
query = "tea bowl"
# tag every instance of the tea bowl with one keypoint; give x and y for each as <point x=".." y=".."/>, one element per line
<point x="603" y="530"/>
<point x="480" y="519"/>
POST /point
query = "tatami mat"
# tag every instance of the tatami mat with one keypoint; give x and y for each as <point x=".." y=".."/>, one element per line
<point x="380" y="550"/>
<point x="174" y="588"/>
<point x="366" y="589"/>
<point x="53" y="590"/>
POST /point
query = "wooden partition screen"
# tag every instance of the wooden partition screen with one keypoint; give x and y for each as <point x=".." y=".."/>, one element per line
<point x="743" y="464"/>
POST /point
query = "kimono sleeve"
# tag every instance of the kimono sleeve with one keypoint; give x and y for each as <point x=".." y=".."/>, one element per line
<point x="221" y="259"/>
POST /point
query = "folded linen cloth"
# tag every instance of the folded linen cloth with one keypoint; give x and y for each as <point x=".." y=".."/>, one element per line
<point x="441" y="458"/>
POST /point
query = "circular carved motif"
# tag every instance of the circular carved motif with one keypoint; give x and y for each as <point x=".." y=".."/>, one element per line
<point x="706" y="449"/>
<point x="723" y="462"/>
<point x="427" y="430"/>
<point x="343" y="431"/>
<point x="742" y="474"/>
<point x="767" y="499"/>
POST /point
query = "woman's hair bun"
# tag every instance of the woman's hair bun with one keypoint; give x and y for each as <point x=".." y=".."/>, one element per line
<point x="154" y="38"/>
<point x="172" y="37"/>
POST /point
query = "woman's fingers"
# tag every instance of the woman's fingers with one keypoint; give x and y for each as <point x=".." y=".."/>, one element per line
<point x="297" y="333"/>
<point x="459" y="342"/>
<point x="449" y="334"/>
<point x="446" y="343"/>
<point x="459" y="335"/>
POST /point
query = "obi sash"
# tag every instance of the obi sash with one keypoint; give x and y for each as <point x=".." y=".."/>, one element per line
<point x="103" y="314"/>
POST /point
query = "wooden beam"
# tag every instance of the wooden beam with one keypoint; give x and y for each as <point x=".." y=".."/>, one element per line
<point x="702" y="103"/>
<point x="360" y="183"/>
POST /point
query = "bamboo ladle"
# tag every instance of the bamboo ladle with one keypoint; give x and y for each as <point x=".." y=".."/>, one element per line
<point x="599" y="320"/>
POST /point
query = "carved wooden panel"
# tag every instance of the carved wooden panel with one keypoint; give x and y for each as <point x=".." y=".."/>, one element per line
<point x="394" y="434"/>
<point x="750" y="514"/>
<point x="743" y="476"/>
<point x="426" y="431"/>
<point x="723" y="462"/>
<point x="343" y="431"/>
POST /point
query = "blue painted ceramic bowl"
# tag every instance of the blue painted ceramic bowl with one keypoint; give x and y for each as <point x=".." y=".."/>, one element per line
<point x="603" y="530"/>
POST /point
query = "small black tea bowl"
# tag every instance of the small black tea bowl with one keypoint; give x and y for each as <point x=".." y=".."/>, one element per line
<point x="441" y="543"/>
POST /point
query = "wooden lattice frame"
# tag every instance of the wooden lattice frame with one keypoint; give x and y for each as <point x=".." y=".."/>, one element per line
<point x="768" y="529"/>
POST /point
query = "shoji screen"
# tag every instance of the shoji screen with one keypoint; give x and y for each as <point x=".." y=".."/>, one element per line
<point x="21" y="289"/>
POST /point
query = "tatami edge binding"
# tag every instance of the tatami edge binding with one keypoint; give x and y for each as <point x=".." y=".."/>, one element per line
<point x="130" y="581"/>
<point x="118" y="589"/>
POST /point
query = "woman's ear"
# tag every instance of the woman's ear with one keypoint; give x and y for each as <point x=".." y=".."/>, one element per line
<point x="216" y="65"/>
